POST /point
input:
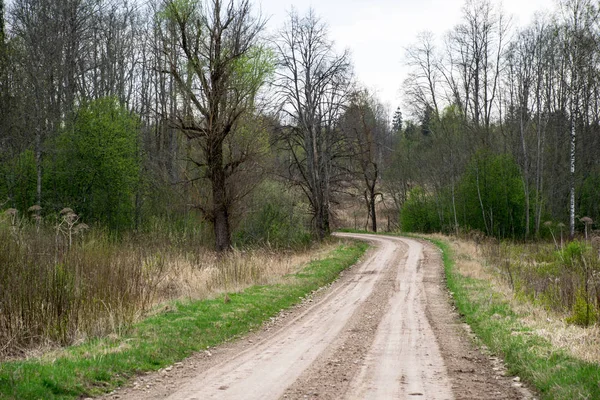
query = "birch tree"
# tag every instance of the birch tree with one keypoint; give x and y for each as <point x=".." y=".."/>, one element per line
<point x="579" y="44"/>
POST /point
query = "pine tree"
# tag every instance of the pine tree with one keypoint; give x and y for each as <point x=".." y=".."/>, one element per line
<point x="397" y="121"/>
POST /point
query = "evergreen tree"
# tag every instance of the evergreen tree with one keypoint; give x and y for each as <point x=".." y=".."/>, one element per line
<point x="397" y="121"/>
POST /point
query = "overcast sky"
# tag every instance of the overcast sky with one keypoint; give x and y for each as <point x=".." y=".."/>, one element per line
<point x="377" y="31"/>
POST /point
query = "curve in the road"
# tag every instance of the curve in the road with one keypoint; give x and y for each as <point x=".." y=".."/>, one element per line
<point x="403" y="360"/>
<point x="385" y="330"/>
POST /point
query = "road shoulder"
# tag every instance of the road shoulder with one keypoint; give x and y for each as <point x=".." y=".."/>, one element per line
<point x="474" y="373"/>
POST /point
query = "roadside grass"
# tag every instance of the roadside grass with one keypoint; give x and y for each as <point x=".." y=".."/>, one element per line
<point x="183" y="327"/>
<point x="552" y="371"/>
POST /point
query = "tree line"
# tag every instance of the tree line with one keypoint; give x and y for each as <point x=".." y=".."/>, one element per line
<point x="128" y="112"/>
<point x="507" y="123"/>
<point x="135" y="113"/>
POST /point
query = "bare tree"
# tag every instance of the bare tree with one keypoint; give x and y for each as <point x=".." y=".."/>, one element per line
<point x="2" y="35"/>
<point x="51" y="33"/>
<point x="475" y="49"/>
<point x="365" y="125"/>
<point x="422" y="84"/>
<point x="218" y="66"/>
<point x="312" y="81"/>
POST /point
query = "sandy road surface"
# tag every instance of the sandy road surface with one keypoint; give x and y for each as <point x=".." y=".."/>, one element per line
<point x="385" y="330"/>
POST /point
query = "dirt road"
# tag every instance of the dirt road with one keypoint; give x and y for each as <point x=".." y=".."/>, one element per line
<point x="385" y="330"/>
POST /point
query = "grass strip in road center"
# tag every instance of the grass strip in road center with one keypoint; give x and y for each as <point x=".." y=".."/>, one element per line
<point x="553" y="372"/>
<point x="99" y="366"/>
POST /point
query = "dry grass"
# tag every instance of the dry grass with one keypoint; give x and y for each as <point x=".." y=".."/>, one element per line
<point x="469" y="261"/>
<point x="581" y="342"/>
<point x="351" y="212"/>
<point x="205" y="277"/>
<point x="58" y="289"/>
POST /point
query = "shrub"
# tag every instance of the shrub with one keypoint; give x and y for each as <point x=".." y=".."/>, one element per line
<point x="18" y="180"/>
<point x="583" y="313"/>
<point x="419" y="213"/>
<point x="97" y="165"/>
<point x="573" y="253"/>
<point x="275" y="217"/>
<point x="589" y="195"/>
<point x="492" y="195"/>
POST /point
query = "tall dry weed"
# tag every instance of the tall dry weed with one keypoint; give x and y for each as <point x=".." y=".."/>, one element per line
<point x="62" y="285"/>
<point x="566" y="280"/>
<point x="53" y="292"/>
<point x="206" y="275"/>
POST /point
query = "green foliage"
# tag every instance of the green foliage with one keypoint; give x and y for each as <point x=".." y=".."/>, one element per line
<point x="419" y="213"/>
<point x="175" y="10"/>
<point x="18" y="180"/>
<point x="589" y="204"/>
<point x="573" y="253"/>
<point x="583" y="312"/>
<point x="97" y="164"/>
<point x="276" y="218"/>
<point x="493" y="199"/>
<point x="253" y="69"/>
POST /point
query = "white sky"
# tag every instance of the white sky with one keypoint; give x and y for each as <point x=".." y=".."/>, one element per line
<point x="376" y="32"/>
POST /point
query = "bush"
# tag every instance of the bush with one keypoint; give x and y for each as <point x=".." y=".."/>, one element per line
<point x="589" y="195"/>
<point x="573" y="253"/>
<point x="419" y="213"/>
<point x="584" y="313"/>
<point x="97" y="165"/>
<point x="492" y="196"/>
<point x="275" y="218"/>
<point x="18" y="181"/>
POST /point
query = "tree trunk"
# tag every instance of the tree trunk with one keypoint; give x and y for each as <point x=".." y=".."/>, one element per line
<point x="220" y="216"/>
<point x="372" y="211"/>
<point x="487" y="230"/>
<point x="38" y="162"/>
<point x="572" y="181"/>
<point x="454" y="208"/>
<point x="322" y="222"/>
<point x="525" y="174"/>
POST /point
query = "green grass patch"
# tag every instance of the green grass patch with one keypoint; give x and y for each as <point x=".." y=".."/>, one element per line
<point x="554" y="373"/>
<point x="101" y="365"/>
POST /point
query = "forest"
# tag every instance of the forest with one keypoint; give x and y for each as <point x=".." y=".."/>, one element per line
<point x="178" y="110"/>
<point x="181" y="125"/>
<point x="507" y="127"/>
